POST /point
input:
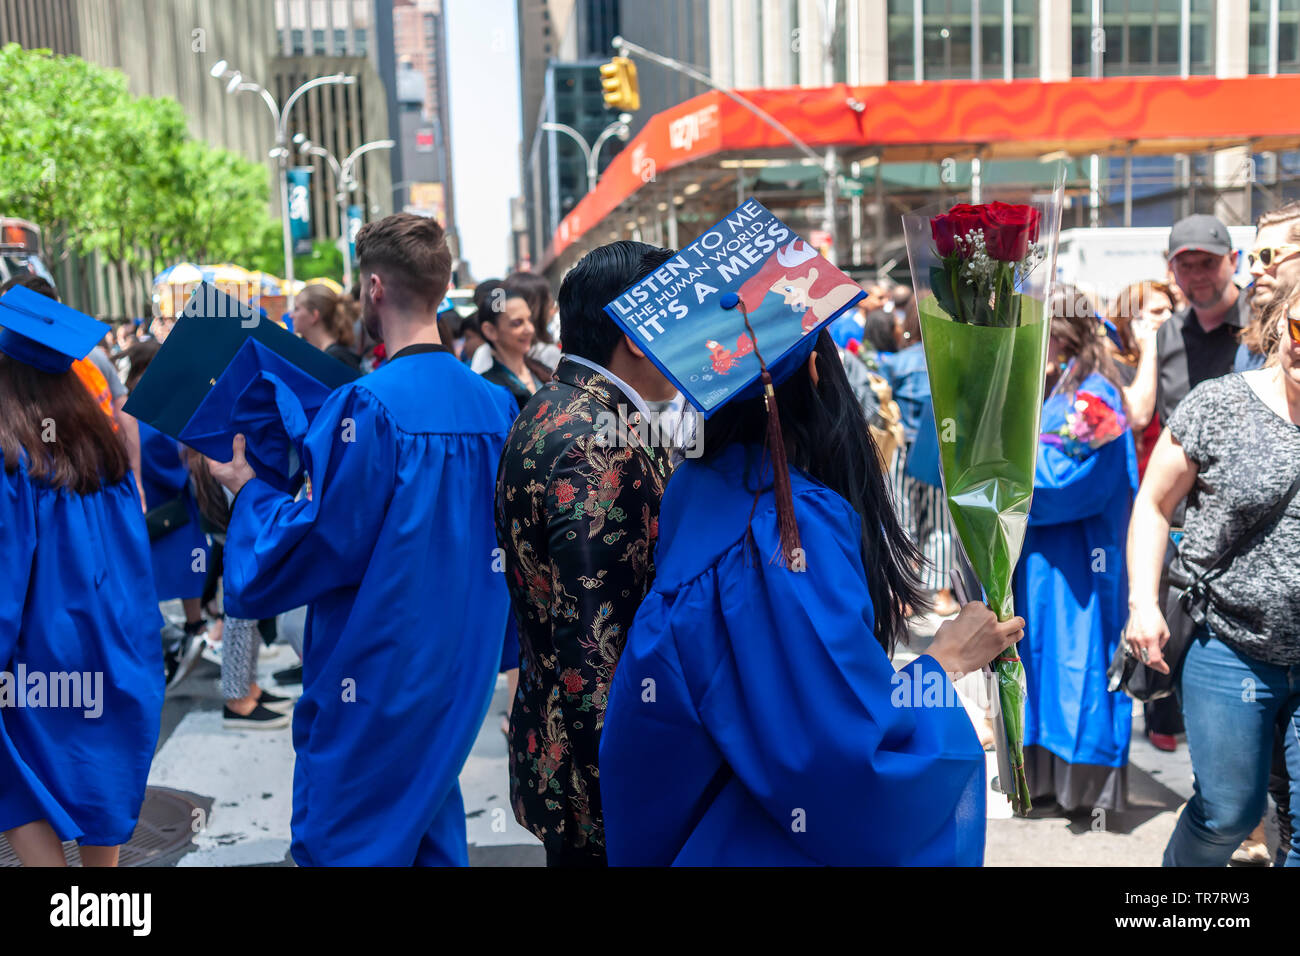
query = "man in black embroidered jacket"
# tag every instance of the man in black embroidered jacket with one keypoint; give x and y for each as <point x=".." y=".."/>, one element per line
<point x="577" y="514"/>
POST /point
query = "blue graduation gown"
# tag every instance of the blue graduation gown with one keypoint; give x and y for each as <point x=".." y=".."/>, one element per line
<point x="176" y="573"/>
<point x="76" y="598"/>
<point x="754" y="720"/>
<point x="1071" y="587"/>
<point x="393" y="554"/>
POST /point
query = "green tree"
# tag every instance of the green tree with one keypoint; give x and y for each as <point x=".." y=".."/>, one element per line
<point x="102" y="171"/>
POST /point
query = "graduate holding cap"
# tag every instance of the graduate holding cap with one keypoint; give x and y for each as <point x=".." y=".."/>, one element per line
<point x="755" y="717"/>
<point x="393" y="553"/>
<point x="81" y="683"/>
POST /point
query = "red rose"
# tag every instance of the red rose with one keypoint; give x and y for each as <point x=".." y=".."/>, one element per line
<point x="961" y="219"/>
<point x="1008" y="230"/>
<point x="1095" y="412"/>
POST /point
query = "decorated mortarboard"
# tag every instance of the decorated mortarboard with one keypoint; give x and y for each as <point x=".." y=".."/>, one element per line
<point x="202" y="345"/>
<point x="268" y="400"/>
<point x="747" y="294"/>
<point x="735" y="313"/>
<point x="45" y="333"/>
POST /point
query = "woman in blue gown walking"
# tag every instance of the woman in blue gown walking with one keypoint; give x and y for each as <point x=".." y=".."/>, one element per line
<point x="755" y="717"/>
<point x="1071" y="584"/>
<point x="81" y="683"/>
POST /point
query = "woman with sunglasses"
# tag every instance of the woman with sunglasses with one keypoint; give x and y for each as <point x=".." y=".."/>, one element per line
<point x="1232" y="449"/>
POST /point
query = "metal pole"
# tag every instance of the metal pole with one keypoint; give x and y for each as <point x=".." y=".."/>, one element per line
<point x="1128" y="186"/>
<point x="346" y="183"/>
<point x="577" y="138"/>
<point x="617" y="128"/>
<point x="832" y="185"/>
<point x="281" y="138"/>
<point x="344" y="239"/>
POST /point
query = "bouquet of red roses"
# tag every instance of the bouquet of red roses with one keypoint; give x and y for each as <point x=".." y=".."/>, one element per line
<point x="986" y="252"/>
<point x="982" y="275"/>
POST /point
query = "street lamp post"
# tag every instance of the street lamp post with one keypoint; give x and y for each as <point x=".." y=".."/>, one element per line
<point x="591" y="154"/>
<point x="345" y="183"/>
<point x="236" y="84"/>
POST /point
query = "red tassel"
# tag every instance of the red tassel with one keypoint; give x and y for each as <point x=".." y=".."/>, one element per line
<point x="785" y="519"/>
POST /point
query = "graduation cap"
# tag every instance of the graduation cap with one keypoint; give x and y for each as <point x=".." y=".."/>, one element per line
<point x="206" y="384"/>
<point x="45" y="333"/>
<point x="268" y="400"/>
<point x="735" y="313"/>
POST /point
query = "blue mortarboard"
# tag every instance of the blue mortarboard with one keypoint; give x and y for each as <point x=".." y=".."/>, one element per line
<point x="732" y="315"/>
<point x="747" y="294"/>
<point x="44" y="333"/>
<point x="267" y="399"/>
<point x="212" y="329"/>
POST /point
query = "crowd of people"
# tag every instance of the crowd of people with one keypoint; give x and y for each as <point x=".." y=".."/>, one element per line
<point x="674" y="700"/>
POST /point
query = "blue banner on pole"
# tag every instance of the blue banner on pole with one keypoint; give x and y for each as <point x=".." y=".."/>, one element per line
<point x="354" y="224"/>
<point x="300" y="207"/>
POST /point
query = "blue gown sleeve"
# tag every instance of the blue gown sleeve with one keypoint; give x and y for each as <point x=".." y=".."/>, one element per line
<point x="17" y="551"/>
<point x="810" y="716"/>
<point x="282" y="553"/>
<point x="1070" y="489"/>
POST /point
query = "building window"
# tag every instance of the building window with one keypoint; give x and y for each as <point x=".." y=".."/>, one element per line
<point x="1288" y="36"/>
<point x="1201" y="35"/>
<point x="992" y="56"/>
<point x="360" y="35"/>
<point x="1258" y="62"/>
<point x="318" y="43"/>
<point x="946" y="39"/>
<point x="1144" y="37"/>
<point x="1024" y="38"/>
<point x="340" y="42"/>
<point x="902" y="25"/>
<point x="298" y="48"/>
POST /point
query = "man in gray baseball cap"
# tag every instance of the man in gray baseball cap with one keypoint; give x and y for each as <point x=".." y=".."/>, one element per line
<point x="1200" y="342"/>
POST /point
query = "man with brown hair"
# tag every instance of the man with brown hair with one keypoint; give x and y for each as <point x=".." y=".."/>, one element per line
<point x="393" y="552"/>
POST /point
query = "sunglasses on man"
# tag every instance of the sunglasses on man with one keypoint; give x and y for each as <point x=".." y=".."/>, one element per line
<point x="1293" y="328"/>
<point x="1270" y="256"/>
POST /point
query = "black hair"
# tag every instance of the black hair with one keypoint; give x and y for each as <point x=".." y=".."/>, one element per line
<point x="536" y="291"/>
<point x="826" y="436"/>
<point x="878" y="329"/>
<point x="599" y="278"/>
<point x="486" y="299"/>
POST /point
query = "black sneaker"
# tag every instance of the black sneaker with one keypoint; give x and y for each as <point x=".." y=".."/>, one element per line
<point x="181" y="650"/>
<point x="259" y="718"/>
<point x="281" y="705"/>
<point x="290" y="675"/>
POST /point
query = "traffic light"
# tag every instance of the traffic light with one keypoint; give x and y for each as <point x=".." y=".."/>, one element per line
<point x="618" y="80"/>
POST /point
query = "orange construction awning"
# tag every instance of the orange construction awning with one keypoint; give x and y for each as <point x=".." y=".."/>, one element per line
<point x="928" y="121"/>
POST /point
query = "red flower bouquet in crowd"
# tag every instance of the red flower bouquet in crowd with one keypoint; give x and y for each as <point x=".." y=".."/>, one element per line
<point x="985" y="251"/>
<point x="982" y="275"/>
<point x="1090" y="425"/>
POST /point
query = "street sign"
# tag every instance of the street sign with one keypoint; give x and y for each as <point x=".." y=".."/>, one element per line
<point x="300" y="208"/>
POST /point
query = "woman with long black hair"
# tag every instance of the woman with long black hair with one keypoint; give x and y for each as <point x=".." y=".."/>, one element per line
<point x="81" y="670"/>
<point x="755" y="718"/>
